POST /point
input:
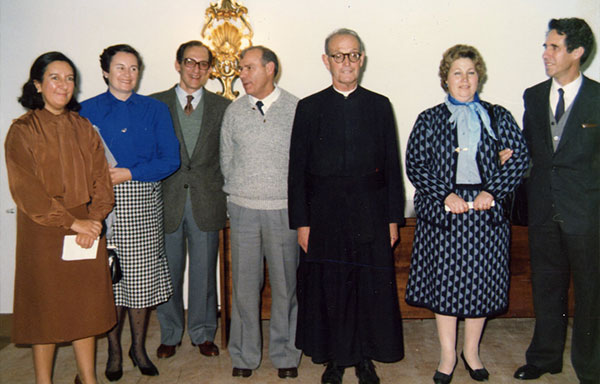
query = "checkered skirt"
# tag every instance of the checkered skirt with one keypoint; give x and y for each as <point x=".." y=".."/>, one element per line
<point x="138" y="236"/>
<point x="460" y="266"/>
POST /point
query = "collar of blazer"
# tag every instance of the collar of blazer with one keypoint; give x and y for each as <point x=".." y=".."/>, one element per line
<point x="580" y="109"/>
<point x="539" y="104"/>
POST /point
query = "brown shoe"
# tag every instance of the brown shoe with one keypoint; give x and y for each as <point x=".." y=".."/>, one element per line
<point x="285" y="373"/>
<point x="165" y="351"/>
<point x="241" y="372"/>
<point x="208" y="348"/>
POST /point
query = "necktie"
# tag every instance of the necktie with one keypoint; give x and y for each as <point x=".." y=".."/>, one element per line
<point x="189" y="108"/>
<point x="560" y="106"/>
<point x="260" y="104"/>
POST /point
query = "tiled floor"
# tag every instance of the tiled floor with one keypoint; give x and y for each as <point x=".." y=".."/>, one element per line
<point x="502" y="350"/>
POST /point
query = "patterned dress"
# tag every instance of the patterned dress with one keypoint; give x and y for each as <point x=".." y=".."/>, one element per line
<point x="460" y="262"/>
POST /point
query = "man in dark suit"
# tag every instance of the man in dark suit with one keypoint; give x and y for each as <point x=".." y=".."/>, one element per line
<point x="194" y="203"/>
<point x="562" y="128"/>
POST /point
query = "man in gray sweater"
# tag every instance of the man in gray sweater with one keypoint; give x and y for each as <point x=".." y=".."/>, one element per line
<point x="255" y="142"/>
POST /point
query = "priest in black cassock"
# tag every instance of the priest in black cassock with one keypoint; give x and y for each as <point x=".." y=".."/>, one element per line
<point x="346" y="199"/>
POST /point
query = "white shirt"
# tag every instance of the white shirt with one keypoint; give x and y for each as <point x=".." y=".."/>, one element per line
<point x="570" y="90"/>
<point x="182" y="97"/>
<point x="267" y="101"/>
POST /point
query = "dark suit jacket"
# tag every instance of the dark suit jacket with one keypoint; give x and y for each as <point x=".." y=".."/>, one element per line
<point x="568" y="178"/>
<point x="199" y="173"/>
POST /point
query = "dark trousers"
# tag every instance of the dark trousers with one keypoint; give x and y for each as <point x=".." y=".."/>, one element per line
<point x="555" y="257"/>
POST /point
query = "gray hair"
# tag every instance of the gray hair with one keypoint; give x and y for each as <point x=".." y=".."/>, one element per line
<point x="343" y="31"/>
<point x="268" y="56"/>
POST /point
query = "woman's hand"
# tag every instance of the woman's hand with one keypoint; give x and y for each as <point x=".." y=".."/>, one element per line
<point x="84" y="241"/>
<point x="504" y="155"/>
<point x="303" y="234"/>
<point x="91" y="228"/>
<point x="119" y="175"/>
<point x="483" y="201"/>
<point x="394" y="234"/>
<point x="456" y="203"/>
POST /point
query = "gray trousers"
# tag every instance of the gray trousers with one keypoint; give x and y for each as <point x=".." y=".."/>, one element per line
<point x="256" y="235"/>
<point x="202" y="285"/>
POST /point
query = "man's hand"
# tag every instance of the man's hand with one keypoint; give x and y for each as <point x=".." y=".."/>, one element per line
<point x="505" y="154"/>
<point x="394" y="234"/>
<point x="303" y="233"/>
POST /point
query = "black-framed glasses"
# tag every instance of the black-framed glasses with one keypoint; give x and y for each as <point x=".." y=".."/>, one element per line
<point x="191" y="63"/>
<point x="340" y="57"/>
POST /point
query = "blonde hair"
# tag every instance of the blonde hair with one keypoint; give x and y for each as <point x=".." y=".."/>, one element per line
<point x="461" y="51"/>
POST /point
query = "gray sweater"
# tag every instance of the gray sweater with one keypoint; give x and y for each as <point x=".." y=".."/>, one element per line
<point x="255" y="152"/>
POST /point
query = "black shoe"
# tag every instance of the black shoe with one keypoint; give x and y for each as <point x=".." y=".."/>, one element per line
<point x="113" y="375"/>
<point x="442" y="378"/>
<point x="531" y="372"/>
<point x="241" y="372"/>
<point x="476" y="374"/>
<point x="333" y="374"/>
<point x="149" y="370"/>
<point x="365" y="371"/>
<point x="287" y="373"/>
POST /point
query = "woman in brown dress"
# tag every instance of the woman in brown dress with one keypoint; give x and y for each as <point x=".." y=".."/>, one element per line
<point x="59" y="180"/>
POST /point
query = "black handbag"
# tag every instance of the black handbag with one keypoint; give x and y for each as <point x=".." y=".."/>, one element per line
<point x="114" y="265"/>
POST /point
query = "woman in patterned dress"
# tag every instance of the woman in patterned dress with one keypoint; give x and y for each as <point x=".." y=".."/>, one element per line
<point x="139" y="133"/>
<point x="459" y="265"/>
<point x="59" y="180"/>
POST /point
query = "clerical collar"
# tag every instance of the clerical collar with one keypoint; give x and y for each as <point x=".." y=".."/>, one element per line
<point x="267" y="101"/>
<point x="182" y="96"/>
<point x="345" y="93"/>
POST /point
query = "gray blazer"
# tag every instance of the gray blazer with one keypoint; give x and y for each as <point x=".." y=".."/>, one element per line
<point x="199" y="173"/>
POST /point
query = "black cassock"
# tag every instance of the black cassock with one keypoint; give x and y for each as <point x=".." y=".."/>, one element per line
<point x="345" y="183"/>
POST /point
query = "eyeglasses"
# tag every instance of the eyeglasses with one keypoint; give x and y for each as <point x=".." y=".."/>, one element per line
<point x="191" y="64"/>
<point x="353" y="57"/>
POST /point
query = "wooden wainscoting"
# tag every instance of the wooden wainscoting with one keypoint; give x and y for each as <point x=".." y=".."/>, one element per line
<point x="520" y="304"/>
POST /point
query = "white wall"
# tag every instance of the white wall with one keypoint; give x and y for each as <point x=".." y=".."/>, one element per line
<point x="404" y="42"/>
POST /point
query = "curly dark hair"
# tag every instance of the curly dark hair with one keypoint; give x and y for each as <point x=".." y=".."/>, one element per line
<point x="577" y="34"/>
<point x="108" y="53"/>
<point x="32" y="99"/>
<point x="461" y="51"/>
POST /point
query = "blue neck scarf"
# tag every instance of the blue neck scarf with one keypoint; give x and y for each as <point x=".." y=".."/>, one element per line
<point x="468" y="119"/>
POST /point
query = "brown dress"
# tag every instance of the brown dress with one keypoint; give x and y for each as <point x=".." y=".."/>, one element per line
<point x="57" y="172"/>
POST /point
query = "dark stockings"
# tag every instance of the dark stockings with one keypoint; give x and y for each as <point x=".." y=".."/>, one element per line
<point x="115" y="355"/>
<point x="138" y="322"/>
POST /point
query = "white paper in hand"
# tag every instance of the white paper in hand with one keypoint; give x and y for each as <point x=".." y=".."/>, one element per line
<point x="73" y="251"/>
<point x="469" y="203"/>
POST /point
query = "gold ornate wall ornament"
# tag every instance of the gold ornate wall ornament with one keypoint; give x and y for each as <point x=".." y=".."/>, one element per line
<point x="227" y="32"/>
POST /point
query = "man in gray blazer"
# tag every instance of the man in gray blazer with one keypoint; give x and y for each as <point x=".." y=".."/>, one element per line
<point x="561" y="125"/>
<point x="194" y="203"/>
